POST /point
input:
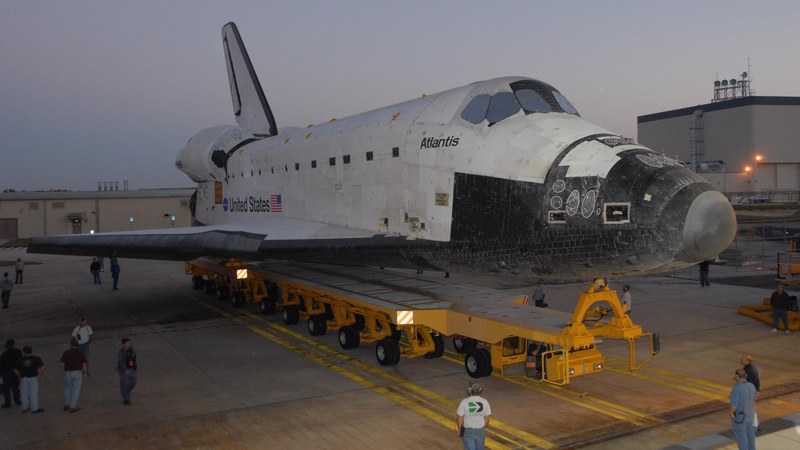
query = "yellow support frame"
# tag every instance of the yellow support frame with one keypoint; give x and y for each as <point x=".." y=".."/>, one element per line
<point x="570" y="352"/>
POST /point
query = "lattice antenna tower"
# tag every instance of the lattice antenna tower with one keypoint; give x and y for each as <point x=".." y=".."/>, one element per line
<point x="731" y="89"/>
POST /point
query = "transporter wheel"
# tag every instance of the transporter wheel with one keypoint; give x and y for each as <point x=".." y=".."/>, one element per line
<point x="478" y="363"/>
<point x="268" y="306"/>
<point x="238" y="299"/>
<point x="349" y="337"/>
<point x="211" y="288"/>
<point x="290" y="315"/>
<point x="464" y="345"/>
<point x="438" y="345"/>
<point x="388" y="352"/>
<point x="223" y="293"/>
<point x="197" y="282"/>
<point x="317" y="325"/>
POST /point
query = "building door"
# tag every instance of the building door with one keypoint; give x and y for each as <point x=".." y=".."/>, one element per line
<point x="9" y="229"/>
<point x="76" y="226"/>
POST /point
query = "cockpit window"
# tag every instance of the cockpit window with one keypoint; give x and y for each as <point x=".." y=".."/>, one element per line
<point x="503" y="105"/>
<point x="565" y="104"/>
<point x="532" y="96"/>
<point x="532" y="102"/>
<point x="475" y="111"/>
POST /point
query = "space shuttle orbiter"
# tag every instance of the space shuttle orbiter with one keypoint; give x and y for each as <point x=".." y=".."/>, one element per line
<point x="499" y="176"/>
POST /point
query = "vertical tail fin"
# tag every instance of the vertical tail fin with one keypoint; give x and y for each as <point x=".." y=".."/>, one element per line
<point x="249" y="103"/>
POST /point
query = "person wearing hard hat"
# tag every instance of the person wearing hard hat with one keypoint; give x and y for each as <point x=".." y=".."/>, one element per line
<point x="473" y="414"/>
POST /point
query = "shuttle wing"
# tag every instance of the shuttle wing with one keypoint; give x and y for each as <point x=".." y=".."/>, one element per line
<point x="265" y="240"/>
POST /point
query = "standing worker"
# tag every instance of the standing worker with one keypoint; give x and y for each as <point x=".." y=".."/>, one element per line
<point x="126" y="365"/>
<point x="743" y="396"/>
<point x="704" y="282"/>
<point x="626" y="298"/>
<point x="5" y="290"/>
<point x="779" y="300"/>
<point x="74" y="365"/>
<point x="94" y="268"/>
<point x="19" y="266"/>
<point x="539" y="293"/>
<point x="115" y="270"/>
<point x="474" y="414"/>
<point x="752" y="376"/>
<point x="533" y="362"/>
<point x="8" y="362"/>
<point x="83" y="334"/>
<point x="30" y="369"/>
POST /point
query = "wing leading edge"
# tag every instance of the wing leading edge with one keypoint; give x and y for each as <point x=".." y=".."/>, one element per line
<point x="279" y="238"/>
<point x="154" y="244"/>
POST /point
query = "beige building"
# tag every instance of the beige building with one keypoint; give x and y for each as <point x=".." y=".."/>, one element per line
<point x="743" y="145"/>
<point x="27" y="214"/>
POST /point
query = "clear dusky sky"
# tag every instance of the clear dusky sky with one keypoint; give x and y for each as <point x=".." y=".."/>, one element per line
<point x="110" y="90"/>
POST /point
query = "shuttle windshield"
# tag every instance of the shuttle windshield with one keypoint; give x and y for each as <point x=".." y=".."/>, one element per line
<point x="530" y="96"/>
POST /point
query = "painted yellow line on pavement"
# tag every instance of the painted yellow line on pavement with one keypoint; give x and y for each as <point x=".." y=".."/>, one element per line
<point x="436" y="399"/>
<point x="595" y="404"/>
<point x="446" y="419"/>
<point x="678" y="381"/>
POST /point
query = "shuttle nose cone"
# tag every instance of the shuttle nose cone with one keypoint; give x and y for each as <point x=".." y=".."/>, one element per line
<point x="709" y="228"/>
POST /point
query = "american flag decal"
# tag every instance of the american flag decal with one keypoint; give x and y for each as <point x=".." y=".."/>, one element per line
<point x="275" y="203"/>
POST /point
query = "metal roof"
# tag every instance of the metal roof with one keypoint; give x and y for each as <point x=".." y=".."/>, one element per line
<point x="727" y="104"/>
<point x="82" y="195"/>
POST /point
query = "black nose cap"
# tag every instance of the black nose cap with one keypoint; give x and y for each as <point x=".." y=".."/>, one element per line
<point x="709" y="229"/>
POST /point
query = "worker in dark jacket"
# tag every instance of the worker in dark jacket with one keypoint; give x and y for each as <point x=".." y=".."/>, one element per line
<point x="780" y="308"/>
<point x="752" y="377"/>
<point x="8" y="361"/>
<point x="751" y="371"/>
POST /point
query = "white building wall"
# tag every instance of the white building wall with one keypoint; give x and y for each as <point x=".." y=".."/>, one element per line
<point x="47" y="213"/>
<point x="735" y="136"/>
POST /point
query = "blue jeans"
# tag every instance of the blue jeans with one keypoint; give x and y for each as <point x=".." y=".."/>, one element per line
<point x="72" y="387"/>
<point x="473" y="438"/>
<point x="97" y="277"/>
<point x="126" y="384"/>
<point x="745" y="434"/>
<point x="704" y="280"/>
<point x="29" y="388"/>
<point x="781" y="314"/>
<point x="84" y="348"/>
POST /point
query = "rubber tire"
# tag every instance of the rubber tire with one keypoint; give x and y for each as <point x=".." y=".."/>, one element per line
<point x="268" y="307"/>
<point x="290" y="315"/>
<point x="438" y="345"/>
<point x="349" y="337"/>
<point x="478" y="363"/>
<point x="238" y="299"/>
<point x="223" y="293"/>
<point x="211" y="288"/>
<point x="317" y="325"/>
<point x="387" y="352"/>
<point x="464" y="345"/>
